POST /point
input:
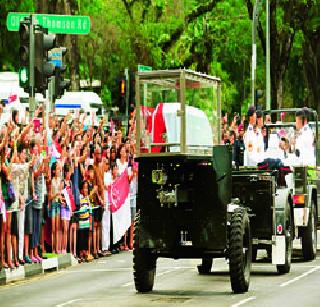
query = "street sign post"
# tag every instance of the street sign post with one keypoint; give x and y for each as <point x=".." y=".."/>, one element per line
<point x="145" y="86"/>
<point x="60" y="24"/>
<point x="144" y="68"/>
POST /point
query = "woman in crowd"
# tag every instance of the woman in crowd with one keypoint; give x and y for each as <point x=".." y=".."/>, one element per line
<point x="55" y="197"/>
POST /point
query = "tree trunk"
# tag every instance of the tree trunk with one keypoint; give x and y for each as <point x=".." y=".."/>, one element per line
<point x="311" y="63"/>
<point x="42" y="6"/>
<point x="274" y="50"/>
<point x="280" y="93"/>
<point x="72" y="45"/>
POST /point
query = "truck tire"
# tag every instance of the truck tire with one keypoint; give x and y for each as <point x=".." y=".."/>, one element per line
<point x="144" y="262"/>
<point x="285" y="268"/>
<point x="205" y="266"/>
<point x="309" y="236"/>
<point x="240" y="251"/>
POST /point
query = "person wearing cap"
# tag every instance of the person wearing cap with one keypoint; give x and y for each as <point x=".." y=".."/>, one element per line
<point x="304" y="143"/>
<point x="252" y="154"/>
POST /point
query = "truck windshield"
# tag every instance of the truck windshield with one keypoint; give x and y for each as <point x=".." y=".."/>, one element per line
<point x="178" y="115"/>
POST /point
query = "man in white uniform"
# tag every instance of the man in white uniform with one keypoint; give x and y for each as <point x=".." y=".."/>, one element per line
<point x="260" y="139"/>
<point x="305" y="139"/>
<point x="253" y="154"/>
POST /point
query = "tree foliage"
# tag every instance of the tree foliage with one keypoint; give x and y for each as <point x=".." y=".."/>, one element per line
<point x="211" y="36"/>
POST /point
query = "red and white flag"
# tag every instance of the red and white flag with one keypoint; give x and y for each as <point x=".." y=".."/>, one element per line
<point x="12" y="98"/>
<point x="119" y="196"/>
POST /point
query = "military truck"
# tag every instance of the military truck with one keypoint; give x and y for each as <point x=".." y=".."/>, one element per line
<point x="185" y="179"/>
<point x="282" y="200"/>
<point x="268" y="200"/>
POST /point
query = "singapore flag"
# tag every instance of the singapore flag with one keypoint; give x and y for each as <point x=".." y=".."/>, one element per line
<point x="119" y="196"/>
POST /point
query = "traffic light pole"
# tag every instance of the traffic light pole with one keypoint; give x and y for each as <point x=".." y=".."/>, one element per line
<point x="255" y="19"/>
<point x="32" y="101"/>
<point x="268" y="76"/>
<point x="48" y="102"/>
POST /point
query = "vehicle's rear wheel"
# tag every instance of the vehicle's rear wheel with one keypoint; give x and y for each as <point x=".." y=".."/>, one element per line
<point x="285" y="268"/>
<point x="240" y="251"/>
<point x="309" y="236"/>
<point x="205" y="266"/>
<point x="144" y="263"/>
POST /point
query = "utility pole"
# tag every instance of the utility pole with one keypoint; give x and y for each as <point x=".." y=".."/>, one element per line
<point x="32" y="101"/>
<point x="268" y="76"/>
<point x="255" y="19"/>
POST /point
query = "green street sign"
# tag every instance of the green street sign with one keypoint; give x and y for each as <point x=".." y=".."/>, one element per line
<point x="60" y="24"/>
<point x="144" y="68"/>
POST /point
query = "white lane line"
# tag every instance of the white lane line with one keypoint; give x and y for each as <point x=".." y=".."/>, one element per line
<point x="165" y="272"/>
<point x="131" y="283"/>
<point x="69" y="302"/>
<point x="300" y="276"/>
<point x="251" y="298"/>
<point x="127" y="284"/>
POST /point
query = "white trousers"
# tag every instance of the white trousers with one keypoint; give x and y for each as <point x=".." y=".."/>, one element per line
<point x="106" y="230"/>
<point x="21" y="216"/>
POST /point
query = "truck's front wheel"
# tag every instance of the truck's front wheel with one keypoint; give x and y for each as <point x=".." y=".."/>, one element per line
<point x="144" y="263"/>
<point x="205" y="266"/>
<point x="240" y="251"/>
<point x="309" y="236"/>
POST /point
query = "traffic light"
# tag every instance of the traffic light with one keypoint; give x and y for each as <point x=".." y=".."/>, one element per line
<point x="60" y="84"/>
<point x="123" y="87"/>
<point x="24" y="54"/>
<point x="44" y="42"/>
<point x="122" y="102"/>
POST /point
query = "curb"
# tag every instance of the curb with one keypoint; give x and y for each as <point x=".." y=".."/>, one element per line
<point x="29" y="270"/>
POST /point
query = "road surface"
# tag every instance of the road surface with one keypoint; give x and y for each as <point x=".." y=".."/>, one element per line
<point x="109" y="282"/>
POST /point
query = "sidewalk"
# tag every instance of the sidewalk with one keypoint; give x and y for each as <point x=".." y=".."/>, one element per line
<point x="28" y="270"/>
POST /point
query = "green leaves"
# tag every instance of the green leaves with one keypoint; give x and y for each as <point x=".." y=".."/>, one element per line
<point x="210" y="36"/>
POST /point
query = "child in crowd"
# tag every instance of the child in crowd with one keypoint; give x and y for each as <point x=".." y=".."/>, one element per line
<point x="55" y="197"/>
<point x="84" y="223"/>
<point x="66" y="207"/>
<point x="93" y="191"/>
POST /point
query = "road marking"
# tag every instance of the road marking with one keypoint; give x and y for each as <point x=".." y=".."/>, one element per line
<point x="251" y="298"/>
<point x="165" y="272"/>
<point x="131" y="283"/>
<point x="69" y="302"/>
<point x="127" y="284"/>
<point x="300" y="276"/>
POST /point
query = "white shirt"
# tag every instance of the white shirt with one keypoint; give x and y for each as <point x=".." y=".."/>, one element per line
<point x="305" y="145"/>
<point x="107" y="180"/>
<point x="121" y="166"/>
<point x="254" y="147"/>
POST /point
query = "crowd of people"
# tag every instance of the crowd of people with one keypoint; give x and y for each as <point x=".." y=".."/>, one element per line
<point x="55" y="187"/>
<point x="252" y="144"/>
<point x="56" y="181"/>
